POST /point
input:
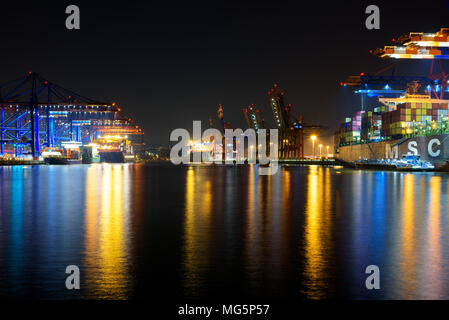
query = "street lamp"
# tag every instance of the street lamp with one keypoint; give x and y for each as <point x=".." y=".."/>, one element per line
<point x="313" y="145"/>
<point x="320" y="149"/>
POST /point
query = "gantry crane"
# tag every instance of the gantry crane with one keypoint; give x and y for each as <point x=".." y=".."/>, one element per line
<point x="252" y="117"/>
<point x="434" y="46"/>
<point x="37" y="113"/>
<point x="291" y="137"/>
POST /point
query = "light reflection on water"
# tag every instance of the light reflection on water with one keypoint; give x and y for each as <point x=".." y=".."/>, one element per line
<point x="55" y="216"/>
<point x="318" y="244"/>
<point x="311" y="232"/>
<point x="107" y="231"/>
<point x="205" y="232"/>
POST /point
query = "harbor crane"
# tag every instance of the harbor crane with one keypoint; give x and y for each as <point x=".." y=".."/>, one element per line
<point x="291" y="126"/>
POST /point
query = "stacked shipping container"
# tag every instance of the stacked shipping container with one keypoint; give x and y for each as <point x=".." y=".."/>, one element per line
<point x="412" y="115"/>
<point x="391" y="121"/>
<point x="371" y="126"/>
<point x="349" y="131"/>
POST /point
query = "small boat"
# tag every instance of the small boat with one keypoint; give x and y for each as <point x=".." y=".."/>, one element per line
<point x="413" y="163"/>
<point x="406" y="163"/>
<point x="54" y="156"/>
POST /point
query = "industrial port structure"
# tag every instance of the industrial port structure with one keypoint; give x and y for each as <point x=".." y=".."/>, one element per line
<point x="292" y="130"/>
<point x="411" y="114"/>
<point x="37" y="114"/>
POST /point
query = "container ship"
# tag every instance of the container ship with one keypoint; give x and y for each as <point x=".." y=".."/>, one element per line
<point x="113" y="149"/>
<point x="411" y="119"/>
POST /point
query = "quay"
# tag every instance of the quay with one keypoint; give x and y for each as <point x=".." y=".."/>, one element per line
<point x="21" y="162"/>
<point x="320" y="162"/>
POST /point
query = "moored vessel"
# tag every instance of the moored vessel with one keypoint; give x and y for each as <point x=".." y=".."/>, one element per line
<point x="111" y="156"/>
<point x="410" y="118"/>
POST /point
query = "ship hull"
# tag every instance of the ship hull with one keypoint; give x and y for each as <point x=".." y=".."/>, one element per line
<point x="56" y="160"/>
<point x="434" y="149"/>
<point x="112" y="156"/>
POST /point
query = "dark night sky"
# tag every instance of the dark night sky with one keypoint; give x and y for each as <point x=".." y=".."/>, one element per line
<point x="168" y="63"/>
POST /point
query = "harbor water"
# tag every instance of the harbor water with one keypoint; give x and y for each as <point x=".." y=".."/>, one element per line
<point x="139" y="231"/>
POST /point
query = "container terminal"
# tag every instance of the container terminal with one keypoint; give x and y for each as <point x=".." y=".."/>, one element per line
<point x="411" y="115"/>
<point x="41" y="121"/>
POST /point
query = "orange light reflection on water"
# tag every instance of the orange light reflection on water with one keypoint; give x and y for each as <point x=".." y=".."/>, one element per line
<point x="318" y="242"/>
<point x="408" y="250"/>
<point x="197" y="218"/>
<point x="107" y="231"/>
<point x="434" y="275"/>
